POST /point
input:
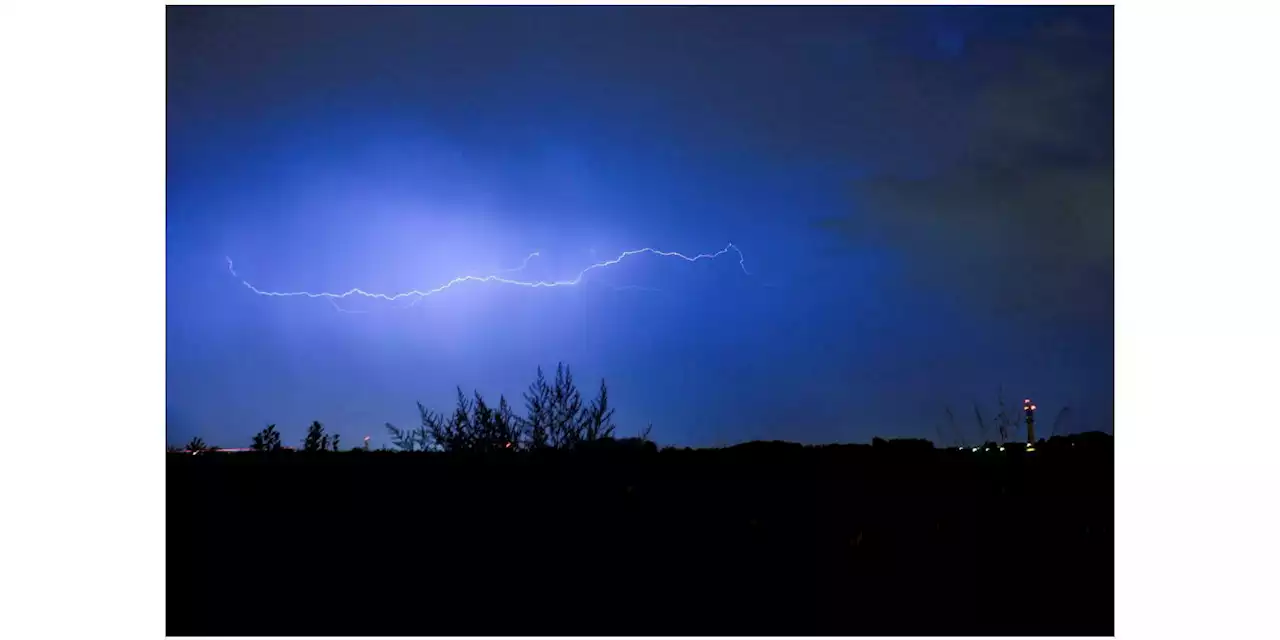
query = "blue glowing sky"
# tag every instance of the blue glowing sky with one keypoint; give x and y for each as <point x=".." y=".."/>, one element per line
<point x="923" y="198"/>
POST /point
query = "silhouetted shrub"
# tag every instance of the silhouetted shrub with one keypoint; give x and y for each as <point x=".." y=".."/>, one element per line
<point x="316" y="439"/>
<point x="555" y="418"/>
<point x="597" y="418"/>
<point x="537" y="422"/>
<point x="267" y="440"/>
<point x="404" y="440"/>
<point x="493" y="429"/>
<point x="565" y="428"/>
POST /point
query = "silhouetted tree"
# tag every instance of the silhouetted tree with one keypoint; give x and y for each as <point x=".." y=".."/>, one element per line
<point x="442" y="433"/>
<point x="336" y="437"/>
<point x="493" y="429"/>
<point x="474" y="425"/>
<point x="483" y="429"/>
<point x="315" y="440"/>
<point x="401" y="439"/>
<point x="459" y="426"/>
<point x="197" y="445"/>
<point x="506" y="425"/>
<point x="566" y="427"/>
<point x="597" y="418"/>
<point x="434" y="431"/>
<point x="537" y="423"/>
<point x="556" y="418"/>
<point x="267" y="440"/>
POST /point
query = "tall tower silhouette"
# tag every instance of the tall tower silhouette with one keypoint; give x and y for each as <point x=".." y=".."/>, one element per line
<point x="1030" y="410"/>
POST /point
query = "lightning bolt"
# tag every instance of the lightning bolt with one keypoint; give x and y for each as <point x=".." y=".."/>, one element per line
<point x="417" y="294"/>
<point x="522" y="264"/>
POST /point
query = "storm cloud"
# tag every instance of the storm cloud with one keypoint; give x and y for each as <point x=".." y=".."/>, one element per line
<point x="1012" y="211"/>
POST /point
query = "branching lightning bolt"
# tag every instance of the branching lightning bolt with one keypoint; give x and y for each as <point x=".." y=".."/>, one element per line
<point x="417" y="294"/>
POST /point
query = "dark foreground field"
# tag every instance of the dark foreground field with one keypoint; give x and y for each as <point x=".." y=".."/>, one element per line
<point x="759" y="539"/>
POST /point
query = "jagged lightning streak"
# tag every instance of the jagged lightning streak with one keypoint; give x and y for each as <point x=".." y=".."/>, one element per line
<point x="522" y="264"/>
<point x="536" y="284"/>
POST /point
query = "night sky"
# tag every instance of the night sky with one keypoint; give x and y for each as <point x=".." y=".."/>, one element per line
<point x="922" y="196"/>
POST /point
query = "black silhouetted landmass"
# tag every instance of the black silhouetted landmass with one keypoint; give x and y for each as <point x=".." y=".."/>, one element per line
<point x="579" y="532"/>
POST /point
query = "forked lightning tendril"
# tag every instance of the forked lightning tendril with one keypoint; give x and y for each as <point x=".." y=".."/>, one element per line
<point x="536" y="284"/>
